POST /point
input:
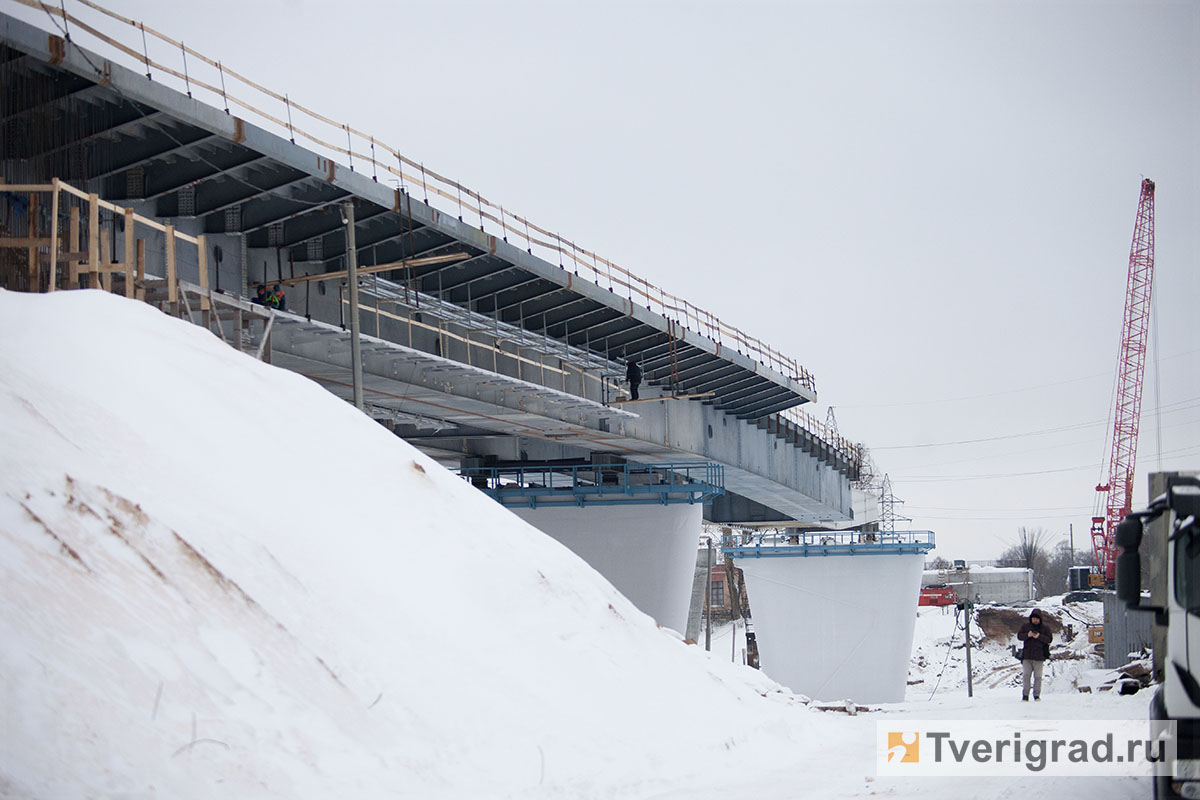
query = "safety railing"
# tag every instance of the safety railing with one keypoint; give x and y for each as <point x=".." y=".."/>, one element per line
<point x="194" y="72"/>
<point x="840" y="448"/>
<point x="71" y="248"/>
<point x="599" y="484"/>
<point x="762" y="544"/>
<point x="81" y="248"/>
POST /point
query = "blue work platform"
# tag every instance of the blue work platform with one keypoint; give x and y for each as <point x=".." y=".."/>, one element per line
<point x="540" y="485"/>
<point x="827" y="543"/>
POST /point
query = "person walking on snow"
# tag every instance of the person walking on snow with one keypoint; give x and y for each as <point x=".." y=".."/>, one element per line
<point x="1036" y="637"/>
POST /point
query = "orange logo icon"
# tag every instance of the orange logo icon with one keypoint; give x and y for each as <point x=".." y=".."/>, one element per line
<point x="903" y="748"/>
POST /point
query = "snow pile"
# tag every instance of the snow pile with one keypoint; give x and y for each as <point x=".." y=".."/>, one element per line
<point x="197" y="605"/>
<point x="938" y="647"/>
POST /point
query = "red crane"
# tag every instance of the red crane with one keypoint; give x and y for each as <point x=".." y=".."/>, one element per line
<point x="1115" y="498"/>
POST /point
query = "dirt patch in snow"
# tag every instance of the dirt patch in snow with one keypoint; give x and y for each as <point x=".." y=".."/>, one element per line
<point x="67" y="550"/>
<point x="1002" y="624"/>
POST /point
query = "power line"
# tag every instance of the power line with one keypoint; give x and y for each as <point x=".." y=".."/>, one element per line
<point x="1001" y="392"/>
<point x="997" y="510"/>
<point x="954" y="478"/>
<point x="1017" y="517"/>
<point x="1026" y="434"/>
<point x="931" y="478"/>
<point x="1015" y="453"/>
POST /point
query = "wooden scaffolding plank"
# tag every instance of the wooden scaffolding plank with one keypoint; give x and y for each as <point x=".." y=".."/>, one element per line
<point x="128" y="255"/>
<point x="202" y="250"/>
<point x="172" y="278"/>
<point x="32" y="250"/>
<point x="94" y="241"/>
<point x="73" y="236"/>
<point x="141" y="269"/>
<point x="53" y="237"/>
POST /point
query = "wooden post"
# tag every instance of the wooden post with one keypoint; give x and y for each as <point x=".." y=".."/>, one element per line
<point x="129" y="248"/>
<point x="34" y="267"/>
<point x="108" y="247"/>
<point x="94" y="241"/>
<point x="141" y="268"/>
<point x="202" y="251"/>
<point x="172" y="280"/>
<point x="53" y="236"/>
<point x="73" y="244"/>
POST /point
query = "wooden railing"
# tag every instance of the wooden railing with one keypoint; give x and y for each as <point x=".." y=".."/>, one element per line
<point x="77" y="261"/>
<point x="59" y="258"/>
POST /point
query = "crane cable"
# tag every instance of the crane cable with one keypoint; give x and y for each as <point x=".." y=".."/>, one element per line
<point x="1158" y="451"/>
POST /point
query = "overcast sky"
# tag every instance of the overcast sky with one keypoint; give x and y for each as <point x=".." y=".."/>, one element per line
<point x="929" y="205"/>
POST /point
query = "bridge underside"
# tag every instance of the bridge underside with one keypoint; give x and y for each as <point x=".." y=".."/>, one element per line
<point x="496" y="355"/>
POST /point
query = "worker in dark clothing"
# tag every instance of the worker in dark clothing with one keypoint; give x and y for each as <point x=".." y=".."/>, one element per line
<point x="1036" y="636"/>
<point x="280" y="302"/>
<point x="260" y="294"/>
<point x="633" y="374"/>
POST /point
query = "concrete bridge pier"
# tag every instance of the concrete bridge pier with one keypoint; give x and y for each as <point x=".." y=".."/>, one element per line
<point x="834" y="612"/>
<point x="647" y="552"/>
<point x="636" y="524"/>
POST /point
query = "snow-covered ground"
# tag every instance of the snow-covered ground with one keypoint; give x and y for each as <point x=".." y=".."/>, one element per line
<point x="197" y="601"/>
<point x="938" y="649"/>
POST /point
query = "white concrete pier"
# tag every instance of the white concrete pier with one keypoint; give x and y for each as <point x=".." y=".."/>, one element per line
<point x="835" y="620"/>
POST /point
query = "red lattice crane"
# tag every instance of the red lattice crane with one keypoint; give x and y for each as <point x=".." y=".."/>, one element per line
<point x="1115" y="498"/>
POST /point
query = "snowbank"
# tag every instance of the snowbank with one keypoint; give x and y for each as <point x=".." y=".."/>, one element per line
<point x="194" y="607"/>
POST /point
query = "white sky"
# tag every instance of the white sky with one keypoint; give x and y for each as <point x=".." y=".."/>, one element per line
<point x="929" y="205"/>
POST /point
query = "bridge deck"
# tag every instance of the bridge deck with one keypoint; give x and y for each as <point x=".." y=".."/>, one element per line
<point x="475" y="338"/>
<point x="142" y="141"/>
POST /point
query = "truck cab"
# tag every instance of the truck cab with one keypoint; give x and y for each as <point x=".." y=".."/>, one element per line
<point x="1176" y="606"/>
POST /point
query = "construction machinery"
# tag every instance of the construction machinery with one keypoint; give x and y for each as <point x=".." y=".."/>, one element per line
<point x="1114" y="498"/>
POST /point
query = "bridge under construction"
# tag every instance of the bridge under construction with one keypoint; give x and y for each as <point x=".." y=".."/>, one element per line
<point x="483" y="339"/>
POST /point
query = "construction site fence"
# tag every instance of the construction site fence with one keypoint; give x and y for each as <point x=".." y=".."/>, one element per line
<point x="170" y="61"/>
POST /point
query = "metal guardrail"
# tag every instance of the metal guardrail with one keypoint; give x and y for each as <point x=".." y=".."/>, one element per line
<point x="429" y="305"/>
<point x="838" y="447"/>
<point x="599" y="484"/>
<point x="212" y="76"/>
<point x="768" y="544"/>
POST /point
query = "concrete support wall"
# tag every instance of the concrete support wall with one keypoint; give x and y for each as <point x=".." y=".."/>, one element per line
<point x="760" y="465"/>
<point x="836" y="627"/>
<point x="647" y="552"/>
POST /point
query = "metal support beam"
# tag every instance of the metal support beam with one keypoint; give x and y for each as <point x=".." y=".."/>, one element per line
<point x="355" y="343"/>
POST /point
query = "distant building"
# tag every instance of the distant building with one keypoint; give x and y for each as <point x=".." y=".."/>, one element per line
<point x="988" y="584"/>
<point x="721" y="596"/>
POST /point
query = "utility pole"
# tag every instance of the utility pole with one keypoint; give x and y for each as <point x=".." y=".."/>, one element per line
<point x="708" y="600"/>
<point x="735" y="602"/>
<point x="352" y="275"/>
<point x="1071" y="529"/>
<point x="967" y="606"/>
